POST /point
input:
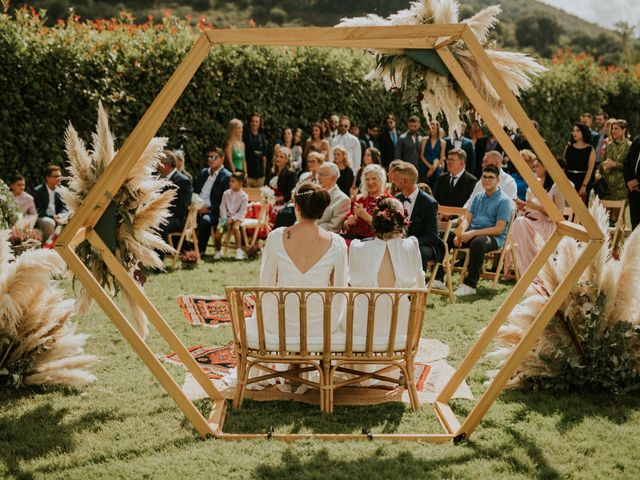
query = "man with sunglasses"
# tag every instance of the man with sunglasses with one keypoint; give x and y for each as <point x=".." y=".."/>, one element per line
<point x="484" y="227"/>
<point x="347" y="141"/>
<point x="48" y="202"/>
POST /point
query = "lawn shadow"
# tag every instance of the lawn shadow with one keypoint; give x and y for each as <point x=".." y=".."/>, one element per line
<point x="39" y="432"/>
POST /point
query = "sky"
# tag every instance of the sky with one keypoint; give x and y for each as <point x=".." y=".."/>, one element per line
<point x="602" y="12"/>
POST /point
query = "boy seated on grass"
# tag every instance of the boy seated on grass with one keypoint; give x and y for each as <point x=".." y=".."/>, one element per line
<point x="233" y="209"/>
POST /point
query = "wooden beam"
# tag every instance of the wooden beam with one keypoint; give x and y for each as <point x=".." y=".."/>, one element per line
<point x="447" y="418"/>
<point x="533" y="136"/>
<point x="340" y="437"/>
<point x="573" y="230"/>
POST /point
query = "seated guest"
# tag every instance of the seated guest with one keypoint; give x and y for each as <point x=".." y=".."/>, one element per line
<point x="179" y="208"/>
<point x="180" y="164"/>
<point x="233" y="209"/>
<point x="454" y="188"/>
<point x="24" y="201"/>
<point x="338" y="208"/>
<point x="48" y="202"/>
<point x="391" y="188"/>
<point x="535" y="220"/>
<point x="507" y="183"/>
<point x="341" y="159"/>
<point x="283" y="179"/>
<point x="484" y="227"/>
<point x="370" y="156"/>
<point x="422" y="211"/>
<point x="211" y="185"/>
<point x="358" y="221"/>
<point x="314" y="162"/>
<point x="521" y="184"/>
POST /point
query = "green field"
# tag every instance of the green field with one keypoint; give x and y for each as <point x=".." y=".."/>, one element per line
<point x="125" y="426"/>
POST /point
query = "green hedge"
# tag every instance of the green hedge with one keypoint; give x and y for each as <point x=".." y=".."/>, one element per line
<point x="52" y="76"/>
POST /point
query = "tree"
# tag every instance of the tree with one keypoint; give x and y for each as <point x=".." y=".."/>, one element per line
<point x="538" y="31"/>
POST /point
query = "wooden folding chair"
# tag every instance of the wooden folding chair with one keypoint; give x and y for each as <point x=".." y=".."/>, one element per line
<point x="444" y="226"/>
<point x="257" y="224"/>
<point x="189" y="231"/>
<point x="617" y="211"/>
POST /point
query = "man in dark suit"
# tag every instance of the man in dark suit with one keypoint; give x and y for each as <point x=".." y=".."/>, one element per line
<point x="458" y="140"/>
<point x="387" y="141"/>
<point x="422" y="210"/>
<point x="180" y="206"/>
<point x="408" y="146"/>
<point x="632" y="177"/>
<point x="454" y="188"/>
<point x="211" y="184"/>
<point x="48" y="202"/>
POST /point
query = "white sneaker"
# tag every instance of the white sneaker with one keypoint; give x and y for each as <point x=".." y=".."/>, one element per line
<point x="439" y="285"/>
<point x="218" y="255"/>
<point x="240" y="255"/>
<point x="464" y="290"/>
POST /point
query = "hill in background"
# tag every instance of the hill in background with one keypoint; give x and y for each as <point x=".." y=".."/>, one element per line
<point x="526" y="25"/>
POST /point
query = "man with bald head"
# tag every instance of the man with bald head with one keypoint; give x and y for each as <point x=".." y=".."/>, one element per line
<point x="507" y="183"/>
<point x="337" y="210"/>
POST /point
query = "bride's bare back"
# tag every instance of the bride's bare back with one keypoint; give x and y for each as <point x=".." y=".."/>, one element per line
<point x="306" y="244"/>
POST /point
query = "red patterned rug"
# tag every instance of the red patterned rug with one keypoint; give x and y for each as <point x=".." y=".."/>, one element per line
<point x="217" y="361"/>
<point x="208" y="310"/>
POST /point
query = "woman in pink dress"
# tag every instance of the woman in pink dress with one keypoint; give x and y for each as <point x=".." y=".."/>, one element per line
<point x="534" y="220"/>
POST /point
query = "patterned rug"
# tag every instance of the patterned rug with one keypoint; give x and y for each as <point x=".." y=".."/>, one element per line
<point x="211" y="311"/>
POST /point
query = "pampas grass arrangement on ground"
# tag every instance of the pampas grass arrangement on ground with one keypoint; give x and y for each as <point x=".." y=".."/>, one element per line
<point x="140" y="207"/>
<point x="593" y="341"/>
<point x="439" y="94"/>
<point x="38" y="344"/>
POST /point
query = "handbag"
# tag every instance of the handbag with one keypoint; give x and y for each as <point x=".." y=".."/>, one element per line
<point x="601" y="188"/>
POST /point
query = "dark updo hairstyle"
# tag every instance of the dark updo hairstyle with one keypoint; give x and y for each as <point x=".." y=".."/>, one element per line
<point x="312" y="200"/>
<point x="388" y="219"/>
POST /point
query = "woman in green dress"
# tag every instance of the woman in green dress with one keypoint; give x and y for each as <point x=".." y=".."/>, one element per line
<point x="234" y="147"/>
<point x="612" y="166"/>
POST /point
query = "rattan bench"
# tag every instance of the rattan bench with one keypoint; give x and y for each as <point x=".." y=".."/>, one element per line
<point x="328" y="331"/>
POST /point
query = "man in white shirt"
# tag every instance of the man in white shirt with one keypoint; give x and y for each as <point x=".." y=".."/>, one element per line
<point x="507" y="183"/>
<point x="347" y="141"/>
<point x="337" y="210"/>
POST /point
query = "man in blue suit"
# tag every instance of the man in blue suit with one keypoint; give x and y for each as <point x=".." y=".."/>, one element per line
<point x="211" y="184"/>
<point x="422" y="210"/>
<point x="182" y="185"/>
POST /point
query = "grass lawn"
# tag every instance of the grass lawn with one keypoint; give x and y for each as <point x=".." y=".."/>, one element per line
<point x="125" y="426"/>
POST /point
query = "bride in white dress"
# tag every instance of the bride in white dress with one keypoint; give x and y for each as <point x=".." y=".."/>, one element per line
<point x="389" y="260"/>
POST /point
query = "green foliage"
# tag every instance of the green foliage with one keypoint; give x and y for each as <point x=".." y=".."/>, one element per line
<point x="52" y="76"/>
<point x="540" y="32"/>
<point x="9" y="213"/>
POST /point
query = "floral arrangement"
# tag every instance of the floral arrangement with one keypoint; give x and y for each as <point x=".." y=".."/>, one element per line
<point x="23" y="236"/>
<point x="267" y="195"/>
<point x="38" y="344"/>
<point x="137" y="210"/>
<point x="593" y="341"/>
<point x="190" y="258"/>
<point x="422" y="76"/>
<point x="9" y="212"/>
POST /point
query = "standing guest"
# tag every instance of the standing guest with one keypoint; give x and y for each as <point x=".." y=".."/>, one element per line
<point x="387" y="141"/>
<point x="233" y="209"/>
<point x="179" y="208"/>
<point x="348" y="142"/>
<point x="507" y="183"/>
<point x="458" y="140"/>
<point x="211" y="185"/>
<point x="180" y="164"/>
<point x="256" y="147"/>
<point x="283" y="179"/>
<point x="601" y="120"/>
<point x="408" y="145"/>
<point x="315" y="143"/>
<point x="234" y="147"/>
<point x="607" y="138"/>
<point x="370" y="138"/>
<point x="580" y="159"/>
<point x="355" y="131"/>
<point x="485" y="144"/>
<point x="23" y="200"/>
<point x="371" y="156"/>
<point x="338" y="208"/>
<point x="587" y="119"/>
<point x="286" y="138"/>
<point x="326" y="129"/>
<point x="334" y="123"/>
<point x="314" y="162"/>
<point x="48" y="202"/>
<point x="358" y="221"/>
<point x="611" y="169"/>
<point x="454" y="188"/>
<point x="484" y="227"/>
<point x="422" y="211"/>
<point x="296" y="150"/>
<point x="535" y="220"/>
<point x="341" y="159"/>
<point x="432" y="157"/>
<point x="632" y="177"/>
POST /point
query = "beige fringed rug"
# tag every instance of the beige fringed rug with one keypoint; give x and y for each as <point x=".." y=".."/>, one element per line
<point x="431" y="353"/>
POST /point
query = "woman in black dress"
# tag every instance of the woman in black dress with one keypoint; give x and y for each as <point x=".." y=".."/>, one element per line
<point x="580" y="160"/>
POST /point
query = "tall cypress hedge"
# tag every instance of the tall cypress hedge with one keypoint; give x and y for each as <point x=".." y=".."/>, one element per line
<point x="52" y="76"/>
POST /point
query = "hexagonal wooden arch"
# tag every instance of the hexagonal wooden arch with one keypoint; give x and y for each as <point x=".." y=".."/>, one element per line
<point x="436" y="37"/>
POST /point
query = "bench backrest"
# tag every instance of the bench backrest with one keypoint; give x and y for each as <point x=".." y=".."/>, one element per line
<point x="304" y="321"/>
